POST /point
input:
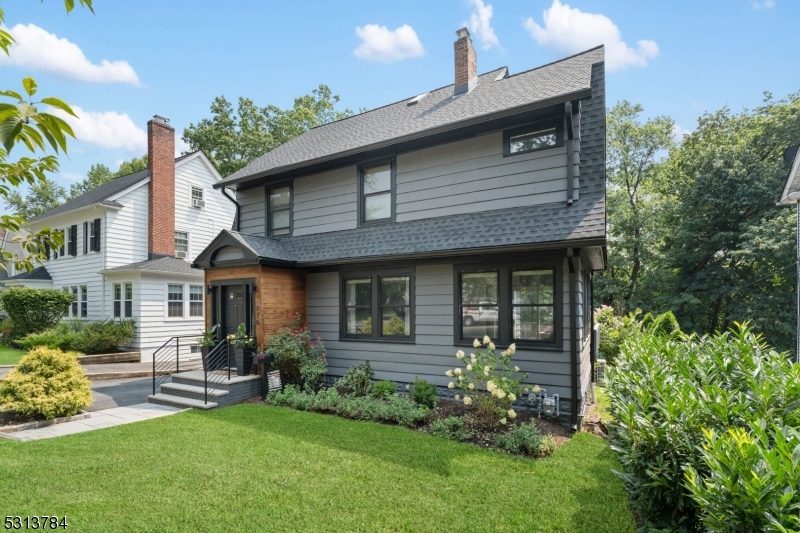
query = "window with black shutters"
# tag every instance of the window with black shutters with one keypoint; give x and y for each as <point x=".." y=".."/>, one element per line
<point x="73" y="240"/>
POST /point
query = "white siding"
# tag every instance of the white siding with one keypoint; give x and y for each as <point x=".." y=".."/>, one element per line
<point x="325" y="202"/>
<point x="434" y="350"/>
<point x="201" y="224"/>
<point x="127" y="229"/>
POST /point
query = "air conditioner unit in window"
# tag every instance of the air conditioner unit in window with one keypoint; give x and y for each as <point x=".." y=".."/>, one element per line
<point x="196" y="202"/>
<point x="180" y="255"/>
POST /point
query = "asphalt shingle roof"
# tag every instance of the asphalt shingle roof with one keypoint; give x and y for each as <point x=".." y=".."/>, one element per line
<point x="38" y="273"/>
<point x="98" y="194"/>
<point x="162" y="264"/>
<point x="438" y="109"/>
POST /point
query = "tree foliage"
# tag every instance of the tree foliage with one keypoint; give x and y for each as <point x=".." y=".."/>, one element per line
<point x="99" y="174"/>
<point x="231" y="139"/>
<point x="34" y="310"/>
<point x="43" y="135"/>
<point x="42" y="196"/>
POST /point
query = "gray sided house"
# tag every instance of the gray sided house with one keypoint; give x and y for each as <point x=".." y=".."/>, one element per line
<point x="405" y="232"/>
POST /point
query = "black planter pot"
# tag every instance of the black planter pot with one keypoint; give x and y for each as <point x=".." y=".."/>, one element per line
<point x="244" y="361"/>
<point x="204" y="353"/>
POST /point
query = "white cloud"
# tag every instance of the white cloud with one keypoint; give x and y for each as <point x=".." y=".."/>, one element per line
<point x="480" y="24"/>
<point x="678" y="132"/>
<point x="766" y="4"/>
<point x="180" y="145"/>
<point x="571" y="30"/>
<point x="107" y="129"/>
<point x="38" y="50"/>
<point x="384" y="45"/>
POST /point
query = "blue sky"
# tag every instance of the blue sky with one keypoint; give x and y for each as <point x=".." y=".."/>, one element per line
<point x="132" y="60"/>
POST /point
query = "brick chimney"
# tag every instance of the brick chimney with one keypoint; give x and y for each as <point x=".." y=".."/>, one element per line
<point x="466" y="63"/>
<point x="161" y="202"/>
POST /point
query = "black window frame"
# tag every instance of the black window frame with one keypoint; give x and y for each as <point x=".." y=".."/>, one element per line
<point x="557" y="124"/>
<point x="377" y="321"/>
<point x="268" y="229"/>
<point x="392" y="162"/>
<point x="504" y="312"/>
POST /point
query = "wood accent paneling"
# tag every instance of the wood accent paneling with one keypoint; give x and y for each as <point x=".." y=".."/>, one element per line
<point x="279" y="294"/>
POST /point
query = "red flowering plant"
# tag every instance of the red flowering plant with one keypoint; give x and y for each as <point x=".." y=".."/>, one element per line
<point x="300" y="358"/>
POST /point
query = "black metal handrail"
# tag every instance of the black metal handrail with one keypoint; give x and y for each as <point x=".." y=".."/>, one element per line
<point x="217" y="364"/>
<point x="167" y="358"/>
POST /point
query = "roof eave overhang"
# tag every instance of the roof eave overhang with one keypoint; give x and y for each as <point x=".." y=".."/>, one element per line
<point x="112" y="206"/>
<point x="452" y="127"/>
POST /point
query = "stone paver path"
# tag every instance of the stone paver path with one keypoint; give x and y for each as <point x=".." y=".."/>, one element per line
<point x="99" y="419"/>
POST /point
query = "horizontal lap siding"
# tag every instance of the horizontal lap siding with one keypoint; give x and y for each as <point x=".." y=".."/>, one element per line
<point x="252" y="210"/>
<point x="325" y="202"/>
<point x="472" y="175"/>
<point x="433" y="353"/>
<point x="127" y="230"/>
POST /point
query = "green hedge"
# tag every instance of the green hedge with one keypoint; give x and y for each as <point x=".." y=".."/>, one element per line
<point x="706" y="431"/>
<point x="103" y="336"/>
<point x="33" y="310"/>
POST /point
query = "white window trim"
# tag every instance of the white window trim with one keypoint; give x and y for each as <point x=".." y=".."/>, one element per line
<point x="202" y="188"/>
<point x="122" y="299"/>
<point x="185" y="316"/>
<point x="203" y="301"/>
<point x="188" y="243"/>
<point x="81" y="301"/>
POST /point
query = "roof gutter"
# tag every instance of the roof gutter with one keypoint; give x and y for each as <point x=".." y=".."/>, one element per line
<point x="583" y="93"/>
<point x="113" y="206"/>
<point x="238" y="209"/>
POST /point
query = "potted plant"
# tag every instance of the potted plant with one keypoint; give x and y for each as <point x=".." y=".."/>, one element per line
<point x="206" y="342"/>
<point x="243" y="345"/>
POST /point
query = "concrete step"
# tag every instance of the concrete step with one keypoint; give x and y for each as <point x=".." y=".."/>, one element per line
<point x="196" y="392"/>
<point x="178" y="401"/>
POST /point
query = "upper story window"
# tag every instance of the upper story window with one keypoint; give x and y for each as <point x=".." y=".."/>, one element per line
<point x="94" y="235"/>
<point x="376" y="188"/>
<point x="198" y="198"/>
<point x="181" y="244"/>
<point x="280" y="210"/>
<point x="508" y="304"/>
<point x="534" y="137"/>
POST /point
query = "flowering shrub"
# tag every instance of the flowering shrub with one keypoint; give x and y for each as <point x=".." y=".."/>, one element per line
<point x="489" y="380"/>
<point x="298" y="356"/>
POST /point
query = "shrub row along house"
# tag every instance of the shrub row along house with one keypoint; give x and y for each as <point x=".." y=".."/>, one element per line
<point x="128" y="244"/>
<point x="405" y="232"/>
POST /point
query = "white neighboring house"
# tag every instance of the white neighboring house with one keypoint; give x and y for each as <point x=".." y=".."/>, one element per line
<point x="129" y="244"/>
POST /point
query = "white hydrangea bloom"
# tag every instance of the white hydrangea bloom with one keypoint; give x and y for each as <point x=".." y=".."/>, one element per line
<point x="491" y="386"/>
<point x="535" y="389"/>
<point x="460" y="354"/>
<point x="471" y="386"/>
<point x="451" y="385"/>
<point x="458" y="371"/>
<point x="511" y="414"/>
<point x="500" y="393"/>
<point x="516" y="369"/>
<point x="486" y="339"/>
<point x="467" y="400"/>
<point x="512" y="397"/>
<point x="476" y="344"/>
<point x="503" y="421"/>
<point x="457" y="397"/>
<point x="472" y="358"/>
<point x="486" y="370"/>
<point x="512" y="349"/>
<point x="449" y="373"/>
<point x="491" y="346"/>
<point x="469" y="368"/>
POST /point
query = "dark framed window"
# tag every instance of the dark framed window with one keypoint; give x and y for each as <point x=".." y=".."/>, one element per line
<point x="94" y="235"/>
<point x="376" y="187"/>
<point x="74" y="302"/>
<point x="378" y="305"/>
<point x="533" y="137"/>
<point x="84" y="301"/>
<point x="279" y="210"/>
<point x="63" y="233"/>
<point x="509" y="303"/>
<point x="175" y="301"/>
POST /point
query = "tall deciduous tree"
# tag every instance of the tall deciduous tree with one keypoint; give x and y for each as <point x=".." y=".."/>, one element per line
<point x="42" y="196"/>
<point x="232" y="140"/>
<point x="635" y="150"/>
<point x="729" y="246"/>
<point x="99" y="174"/>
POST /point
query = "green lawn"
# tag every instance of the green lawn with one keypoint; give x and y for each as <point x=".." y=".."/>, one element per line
<point x="10" y="356"/>
<point x="252" y="467"/>
<point x="603" y="405"/>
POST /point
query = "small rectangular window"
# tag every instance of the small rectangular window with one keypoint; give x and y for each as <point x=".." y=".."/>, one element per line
<point x="195" y="300"/>
<point x="128" y="300"/>
<point x="84" y="301"/>
<point x="376" y="193"/>
<point x="175" y="301"/>
<point x="181" y="244"/>
<point x="541" y="136"/>
<point x="117" y="300"/>
<point x="74" y="302"/>
<point x="197" y="193"/>
<point x="280" y="210"/>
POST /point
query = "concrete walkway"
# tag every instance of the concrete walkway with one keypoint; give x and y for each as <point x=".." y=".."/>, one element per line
<point x="100" y="419"/>
<point x="109" y="371"/>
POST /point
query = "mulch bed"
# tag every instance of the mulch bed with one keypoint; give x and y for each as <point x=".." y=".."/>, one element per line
<point x="11" y="418"/>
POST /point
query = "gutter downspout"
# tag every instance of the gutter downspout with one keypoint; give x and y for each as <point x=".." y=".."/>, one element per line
<point x="570" y="134"/>
<point x="573" y="341"/>
<point x="238" y="207"/>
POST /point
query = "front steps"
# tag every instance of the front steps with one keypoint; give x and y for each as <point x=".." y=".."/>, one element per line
<point x="187" y="390"/>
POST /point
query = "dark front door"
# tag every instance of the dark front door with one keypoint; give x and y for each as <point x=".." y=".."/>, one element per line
<point x="233" y="299"/>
